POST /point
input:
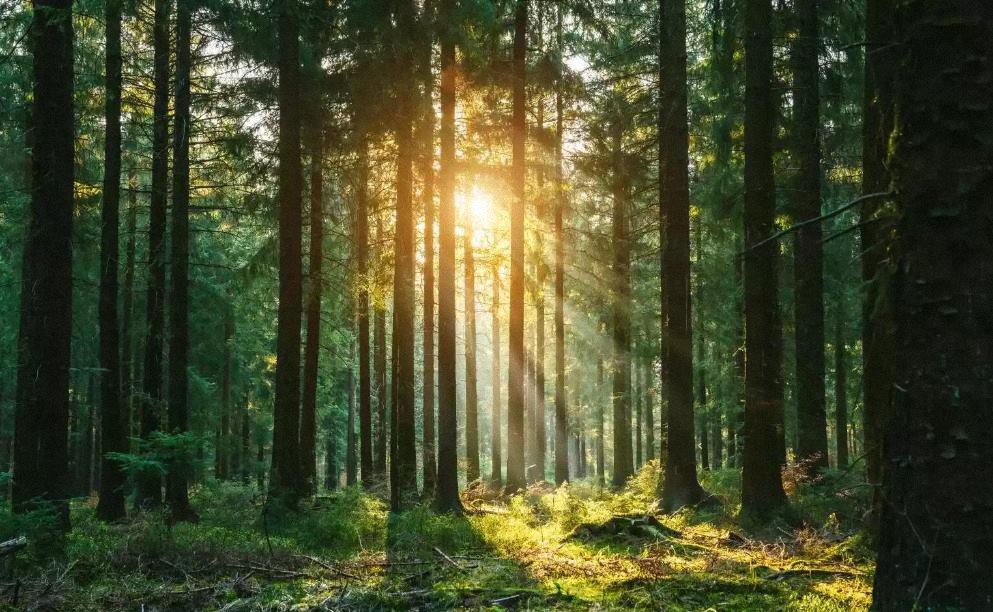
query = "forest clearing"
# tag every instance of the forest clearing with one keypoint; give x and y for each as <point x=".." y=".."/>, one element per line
<point x="496" y="304"/>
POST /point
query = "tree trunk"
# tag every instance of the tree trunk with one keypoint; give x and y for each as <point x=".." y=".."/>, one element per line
<point x="127" y="317"/>
<point x="515" y="378"/>
<point x="621" y="318"/>
<point x="649" y="413"/>
<point x="496" y="451"/>
<point x="679" y="485"/>
<point x="471" y="402"/>
<point x="150" y="485"/>
<point x="447" y="492"/>
<point x="561" y="399"/>
<point x="878" y="343"/>
<point x="762" y="485"/>
<point x="704" y="419"/>
<point x="808" y="255"/>
<point x="223" y="440"/>
<point x="601" y="463"/>
<point x="380" y="380"/>
<point x="934" y="542"/>
<point x="111" y="504"/>
<point x="246" y="425"/>
<point x="429" y="460"/>
<point x="179" y="472"/>
<point x="362" y="257"/>
<point x="285" y="479"/>
<point x="351" y="461"/>
<point x="840" y="391"/>
<point x="312" y="346"/>
<point x="404" y="261"/>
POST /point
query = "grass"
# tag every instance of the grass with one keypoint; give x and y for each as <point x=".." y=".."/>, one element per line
<point x="346" y="551"/>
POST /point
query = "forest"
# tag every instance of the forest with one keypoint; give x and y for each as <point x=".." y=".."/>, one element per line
<point x="496" y="304"/>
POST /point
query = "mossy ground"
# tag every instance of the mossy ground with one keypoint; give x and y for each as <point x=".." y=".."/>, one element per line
<point x="346" y="552"/>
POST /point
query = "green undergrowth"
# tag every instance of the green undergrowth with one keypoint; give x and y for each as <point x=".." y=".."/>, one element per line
<point x="534" y="550"/>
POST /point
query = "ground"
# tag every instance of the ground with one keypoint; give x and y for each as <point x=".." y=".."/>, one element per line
<point x="546" y="549"/>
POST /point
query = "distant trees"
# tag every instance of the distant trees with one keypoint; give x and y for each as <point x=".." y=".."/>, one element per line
<point x="934" y="542"/>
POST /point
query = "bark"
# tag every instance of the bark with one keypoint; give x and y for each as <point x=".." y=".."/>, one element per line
<point x="762" y="486"/>
<point x="840" y="393"/>
<point x="649" y="414"/>
<point x="716" y="440"/>
<point x="808" y="254"/>
<point x="223" y="440"/>
<point x="246" y="424"/>
<point x="179" y="472"/>
<point x="380" y="379"/>
<point x="150" y="485"/>
<point x="112" y="418"/>
<point x="471" y="401"/>
<point x="704" y="420"/>
<point x="351" y="461"/>
<point x="621" y="317"/>
<point x="638" y="399"/>
<point x="496" y="450"/>
<point x="601" y="463"/>
<point x="679" y="485"/>
<point x="312" y="345"/>
<point x="127" y="317"/>
<point x="561" y="399"/>
<point x="878" y="343"/>
<point x="447" y="492"/>
<point x="403" y="278"/>
<point x="286" y="478"/>
<point x="429" y="457"/>
<point x="515" y="378"/>
<point x="362" y="257"/>
<point x="934" y="543"/>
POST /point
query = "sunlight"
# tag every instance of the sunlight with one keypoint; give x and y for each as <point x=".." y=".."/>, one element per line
<point x="476" y="207"/>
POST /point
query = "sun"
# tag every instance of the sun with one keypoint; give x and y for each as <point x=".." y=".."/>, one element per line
<point x="476" y="207"/>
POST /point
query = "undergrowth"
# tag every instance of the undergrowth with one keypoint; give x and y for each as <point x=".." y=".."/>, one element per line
<point x="529" y="551"/>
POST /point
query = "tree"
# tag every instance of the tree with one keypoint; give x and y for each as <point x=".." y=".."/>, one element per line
<point x="150" y="485"/>
<point x="496" y="442"/>
<point x="429" y="461"/>
<point x="43" y="345"/>
<point x="934" y="545"/>
<point x="312" y="346"/>
<point x="112" y="416"/>
<point x="405" y="466"/>
<point x="561" y="399"/>
<point x="840" y="391"/>
<point x="621" y="311"/>
<point x="285" y="479"/>
<point x="679" y="486"/>
<point x="446" y="497"/>
<point x="762" y="486"/>
<point x="471" y="403"/>
<point x="362" y="259"/>
<point x="878" y="343"/>
<point x="515" y="374"/>
<point x="808" y="247"/>
<point x="179" y="314"/>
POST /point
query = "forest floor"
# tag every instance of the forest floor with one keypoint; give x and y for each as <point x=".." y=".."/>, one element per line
<point x="546" y="549"/>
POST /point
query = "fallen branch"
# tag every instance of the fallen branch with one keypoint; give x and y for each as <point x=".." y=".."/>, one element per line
<point x="811" y="572"/>
<point x="449" y="559"/>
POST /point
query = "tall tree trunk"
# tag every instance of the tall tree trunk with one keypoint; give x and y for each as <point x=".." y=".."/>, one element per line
<point x="704" y="418"/>
<point x="808" y="254"/>
<point x="285" y="479"/>
<point x="601" y="451"/>
<point x="149" y="484"/>
<point x="934" y="542"/>
<point x="621" y="318"/>
<point x="380" y="379"/>
<point x="679" y="485"/>
<point x="649" y="412"/>
<point x="840" y="391"/>
<point x="404" y="261"/>
<point x="179" y="473"/>
<point x="762" y="485"/>
<point x="515" y="377"/>
<point x="447" y="492"/>
<point x="362" y="257"/>
<point x="638" y="396"/>
<point x="561" y="399"/>
<point x="429" y="461"/>
<point x="86" y="443"/>
<point x="878" y="343"/>
<point x="351" y="460"/>
<point x="223" y="439"/>
<point x="246" y="425"/>
<point x="111" y="504"/>
<point x="127" y="316"/>
<point x="716" y="440"/>
<point x="471" y="402"/>
<point x="312" y="346"/>
<point x="496" y="437"/>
